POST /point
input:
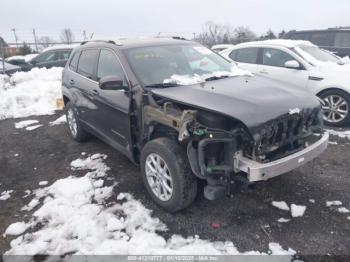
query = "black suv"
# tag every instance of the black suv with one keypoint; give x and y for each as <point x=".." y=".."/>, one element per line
<point x="335" y="40"/>
<point x="182" y="113"/>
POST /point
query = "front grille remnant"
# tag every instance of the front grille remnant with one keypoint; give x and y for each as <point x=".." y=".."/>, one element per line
<point x="288" y="131"/>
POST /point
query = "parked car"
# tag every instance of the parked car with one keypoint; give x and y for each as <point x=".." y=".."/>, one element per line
<point x="182" y="120"/>
<point x="335" y="40"/>
<point x="55" y="56"/>
<point x="9" y="69"/>
<point x="306" y="66"/>
<point x="219" y="48"/>
<point x="21" y="61"/>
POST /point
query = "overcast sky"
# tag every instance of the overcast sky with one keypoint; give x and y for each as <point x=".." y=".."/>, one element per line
<point x="148" y="17"/>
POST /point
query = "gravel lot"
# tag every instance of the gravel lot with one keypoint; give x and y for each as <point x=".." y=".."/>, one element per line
<point x="248" y="219"/>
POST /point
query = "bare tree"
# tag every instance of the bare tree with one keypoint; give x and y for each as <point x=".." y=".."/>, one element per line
<point x="67" y="36"/>
<point x="213" y="34"/>
<point x="46" y="41"/>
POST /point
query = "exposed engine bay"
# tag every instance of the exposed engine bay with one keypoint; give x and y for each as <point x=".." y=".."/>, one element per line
<point x="212" y="140"/>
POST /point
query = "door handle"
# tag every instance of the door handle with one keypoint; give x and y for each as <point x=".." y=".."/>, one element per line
<point x="71" y="82"/>
<point x="94" y="92"/>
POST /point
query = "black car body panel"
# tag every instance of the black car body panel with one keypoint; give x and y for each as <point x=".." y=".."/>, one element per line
<point x="251" y="100"/>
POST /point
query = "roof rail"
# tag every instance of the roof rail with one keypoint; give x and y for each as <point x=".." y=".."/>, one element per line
<point x="103" y="41"/>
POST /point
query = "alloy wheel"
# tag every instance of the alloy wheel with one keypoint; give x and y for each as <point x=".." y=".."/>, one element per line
<point x="159" y="177"/>
<point x="335" y="108"/>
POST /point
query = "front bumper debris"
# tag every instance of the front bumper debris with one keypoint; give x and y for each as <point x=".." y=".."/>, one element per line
<point x="263" y="171"/>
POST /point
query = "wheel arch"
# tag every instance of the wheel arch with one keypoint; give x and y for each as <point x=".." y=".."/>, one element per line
<point x="332" y="88"/>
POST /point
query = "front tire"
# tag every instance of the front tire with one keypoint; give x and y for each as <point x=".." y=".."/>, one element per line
<point x="75" y="129"/>
<point x="167" y="174"/>
<point x="336" y="108"/>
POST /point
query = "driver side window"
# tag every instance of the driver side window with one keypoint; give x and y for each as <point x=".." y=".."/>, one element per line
<point x="275" y="57"/>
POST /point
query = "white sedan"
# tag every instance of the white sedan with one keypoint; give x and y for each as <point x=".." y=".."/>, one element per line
<point x="304" y="65"/>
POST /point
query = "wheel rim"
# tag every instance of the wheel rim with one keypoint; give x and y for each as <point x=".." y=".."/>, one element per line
<point x="335" y="108"/>
<point x="72" y="122"/>
<point x="159" y="177"/>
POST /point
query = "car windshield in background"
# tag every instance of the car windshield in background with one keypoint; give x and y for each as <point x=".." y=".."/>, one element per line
<point x="162" y="66"/>
<point x="320" y="54"/>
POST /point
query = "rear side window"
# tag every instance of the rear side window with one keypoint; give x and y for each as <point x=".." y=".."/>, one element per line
<point x="87" y="60"/>
<point x="108" y="65"/>
<point x="322" y="38"/>
<point x="63" y="54"/>
<point x="275" y="57"/>
<point x="247" y="55"/>
<point x="232" y="55"/>
<point x="342" y="39"/>
<point x="74" y="62"/>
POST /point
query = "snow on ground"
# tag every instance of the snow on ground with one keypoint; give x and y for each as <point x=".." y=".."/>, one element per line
<point x="312" y="201"/>
<point x="25" y="123"/>
<point x="58" y="121"/>
<point x="73" y="217"/>
<point x="343" y="210"/>
<point x="30" y="93"/>
<point x="43" y="183"/>
<point x="297" y="211"/>
<point x="30" y="128"/>
<point x="342" y="134"/>
<point x="283" y="220"/>
<point x="281" y="205"/>
<point x="6" y="194"/>
<point x="333" y="203"/>
<point x="16" y="228"/>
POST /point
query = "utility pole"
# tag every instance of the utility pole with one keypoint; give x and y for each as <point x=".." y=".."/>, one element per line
<point x="84" y="35"/>
<point x="16" y="38"/>
<point x="3" y="57"/>
<point x="35" y="41"/>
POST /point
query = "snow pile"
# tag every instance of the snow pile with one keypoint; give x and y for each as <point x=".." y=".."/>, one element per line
<point x="281" y="205"/>
<point x="333" y="203"/>
<point x="345" y="59"/>
<point x="75" y="219"/>
<point x="6" y="194"/>
<point x="30" y="93"/>
<point x="58" y="121"/>
<point x="30" y="128"/>
<point x="297" y="211"/>
<point x="196" y="79"/>
<point x="343" y="210"/>
<point x="16" y="228"/>
<point x="342" y="134"/>
<point x="25" y="123"/>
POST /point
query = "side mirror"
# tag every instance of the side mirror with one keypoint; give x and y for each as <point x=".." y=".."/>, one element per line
<point x="111" y="83"/>
<point x="292" y="64"/>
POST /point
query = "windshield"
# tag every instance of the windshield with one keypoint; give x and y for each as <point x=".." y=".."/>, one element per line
<point x="177" y="64"/>
<point x="318" y="54"/>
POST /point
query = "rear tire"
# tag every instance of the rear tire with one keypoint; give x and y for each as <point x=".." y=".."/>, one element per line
<point x="178" y="175"/>
<point x="336" y="111"/>
<point x="75" y="129"/>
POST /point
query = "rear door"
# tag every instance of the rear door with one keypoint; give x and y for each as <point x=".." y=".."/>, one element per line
<point x="86" y="86"/>
<point x="246" y="58"/>
<point x="112" y="116"/>
<point x="273" y="66"/>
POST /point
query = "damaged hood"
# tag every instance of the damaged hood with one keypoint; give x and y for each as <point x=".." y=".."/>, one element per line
<point x="252" y="100"/>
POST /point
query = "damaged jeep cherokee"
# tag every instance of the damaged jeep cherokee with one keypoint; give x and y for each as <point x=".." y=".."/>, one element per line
<point x="183" y="113"/>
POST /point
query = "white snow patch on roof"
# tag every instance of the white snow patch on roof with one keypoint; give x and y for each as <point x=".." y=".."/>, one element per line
<point x="72" y="222"/>
<point x="30" y="128"/>
<point x="62" y="119"/>
<point x="333" y="203"/>
<point x="6" y="194"/>
<point x="16" y="228"/>
<point x="343" y="210"/>
<point x="281" y="205"/>
<point x="58" y="47"/>
<point x="25" y="123"/>
<point x="31" y="93"/>
<point x="297" y="210"/>
<point x="279" y="42"/>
